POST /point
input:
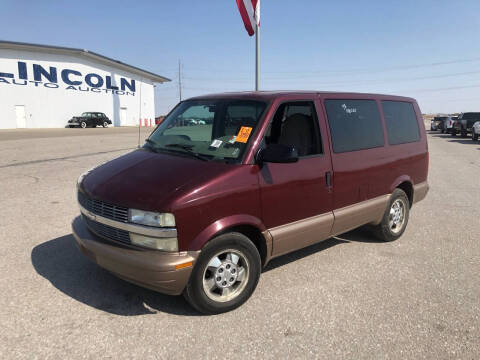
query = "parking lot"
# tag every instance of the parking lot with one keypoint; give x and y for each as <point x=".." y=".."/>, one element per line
<point x="349" y="296"/>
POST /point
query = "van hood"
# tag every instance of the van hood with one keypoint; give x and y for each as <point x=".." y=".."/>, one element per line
<point x="147" y="180"/>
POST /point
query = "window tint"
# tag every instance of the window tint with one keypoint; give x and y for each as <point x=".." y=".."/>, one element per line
<point x="401" y="121"/>
<point x="296" y="124"/>
<point x="354" y="124"/>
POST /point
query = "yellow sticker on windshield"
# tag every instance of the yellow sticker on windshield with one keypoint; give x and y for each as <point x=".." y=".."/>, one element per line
<point x="243" y="134"/>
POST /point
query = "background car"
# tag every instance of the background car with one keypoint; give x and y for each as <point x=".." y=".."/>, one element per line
<point x="465" y="122"/>
<point x="449" y="122"/>
<point x="476" y="131"/>
<point x="438" y="123"/>
<point x="89" y="119"/>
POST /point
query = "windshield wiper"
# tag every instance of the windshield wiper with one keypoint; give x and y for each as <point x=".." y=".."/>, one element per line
<point x="181" y="146"/>
<point x="188" y="150"/>
<point x="151" y="142"/>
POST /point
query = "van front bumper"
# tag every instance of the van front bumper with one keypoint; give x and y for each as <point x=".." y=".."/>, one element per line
<point x="152" y="269"/>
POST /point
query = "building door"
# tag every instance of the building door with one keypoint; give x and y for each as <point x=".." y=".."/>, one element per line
<point x="123" y="116"/>
<point x="20" y="115"/>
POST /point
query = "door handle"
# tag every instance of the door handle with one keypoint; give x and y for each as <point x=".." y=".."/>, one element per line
<point x="328" y="179"/>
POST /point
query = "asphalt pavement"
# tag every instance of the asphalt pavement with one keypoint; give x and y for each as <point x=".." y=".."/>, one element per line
<point x="348" y="297"/>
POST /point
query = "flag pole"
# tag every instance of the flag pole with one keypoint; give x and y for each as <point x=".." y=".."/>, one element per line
<point x="257" y="59"/>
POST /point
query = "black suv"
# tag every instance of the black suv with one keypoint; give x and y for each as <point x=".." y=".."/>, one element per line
<point x="89" y="119"/>
<point x="465" y="123"/>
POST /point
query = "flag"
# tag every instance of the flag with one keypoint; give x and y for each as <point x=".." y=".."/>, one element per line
<point x="250" y="12"/>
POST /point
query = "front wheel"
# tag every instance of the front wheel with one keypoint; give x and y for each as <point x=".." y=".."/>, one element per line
<point x="105" y="124"/>
<point x="225" y="275"/>
<point x="395" y="219"/>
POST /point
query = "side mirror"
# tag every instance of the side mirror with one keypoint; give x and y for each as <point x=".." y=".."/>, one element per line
<point x="278" y="153"/>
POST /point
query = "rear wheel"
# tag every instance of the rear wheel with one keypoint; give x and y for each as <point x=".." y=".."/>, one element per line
<point x="83" y="124"/>
<point x="464" y="134"/>
<point x="395" y="219"/>
<point x="225" y="275"/>
<point x="442" y="131"/>
<point x="453" y="132"/>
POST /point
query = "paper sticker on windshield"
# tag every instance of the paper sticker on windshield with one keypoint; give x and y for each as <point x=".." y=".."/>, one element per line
<point x="216" y="143"/>
<point x="232" y="139"/>
<point x="243" y="134"/>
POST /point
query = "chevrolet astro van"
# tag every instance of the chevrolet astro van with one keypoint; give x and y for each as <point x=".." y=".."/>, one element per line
<point x="200" y="209"/>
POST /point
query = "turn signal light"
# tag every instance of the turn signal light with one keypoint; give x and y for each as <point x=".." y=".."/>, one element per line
<point x="184" y="265"/>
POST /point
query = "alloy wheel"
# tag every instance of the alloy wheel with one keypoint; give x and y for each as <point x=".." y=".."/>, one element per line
<point x="226" y="275"/>
<point x="396" y="218"/>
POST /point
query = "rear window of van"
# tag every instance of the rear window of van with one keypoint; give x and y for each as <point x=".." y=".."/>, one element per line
<point x="401" y="121"/>
<point x="354" y="124"/>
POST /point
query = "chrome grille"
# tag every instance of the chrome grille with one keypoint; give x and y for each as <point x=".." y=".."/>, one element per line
<point x="107" y="232"/>
<point x="98" y="207"/>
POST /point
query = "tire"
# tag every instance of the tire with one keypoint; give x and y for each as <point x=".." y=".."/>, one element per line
<point x="464" y="134"/>
<point x="453" y="133"/>
<point x="204" y="277"/>
<point x="83" y="124"/>
<point x="384" y="230"/>
<point x="442" y="131"/>
<point x="105" y="124"/>
<point x="474" y="136"/>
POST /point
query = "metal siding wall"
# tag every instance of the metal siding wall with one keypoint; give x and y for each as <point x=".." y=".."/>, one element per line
<point x="51" y="108"/>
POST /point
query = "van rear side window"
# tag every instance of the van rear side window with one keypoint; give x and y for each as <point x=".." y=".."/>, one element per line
<point x="401" y="121"/>
<point x="354" y="124"/>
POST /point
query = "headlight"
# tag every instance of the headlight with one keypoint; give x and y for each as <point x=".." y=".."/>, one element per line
<point x="165" y="244"/>
<point x="151" y="218"/>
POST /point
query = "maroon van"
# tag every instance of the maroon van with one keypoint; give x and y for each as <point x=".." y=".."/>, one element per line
<point x="208" y="202"/>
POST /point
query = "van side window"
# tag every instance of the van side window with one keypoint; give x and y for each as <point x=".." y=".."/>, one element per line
<point x="354" y="124"/>
<point x="296" y="124"/>
<point x="402" y="125"/>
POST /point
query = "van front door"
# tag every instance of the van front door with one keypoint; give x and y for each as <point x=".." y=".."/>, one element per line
<point x="296" y="197"/>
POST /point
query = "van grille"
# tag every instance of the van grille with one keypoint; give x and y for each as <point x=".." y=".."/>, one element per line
<point x="97" y="207"/>
<point x="107" y="232"/>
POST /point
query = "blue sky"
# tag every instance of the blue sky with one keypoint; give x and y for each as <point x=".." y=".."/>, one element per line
<point x="426" y="49"/>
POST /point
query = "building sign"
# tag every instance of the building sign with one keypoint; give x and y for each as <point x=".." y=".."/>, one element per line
<point x="69" y="79"/>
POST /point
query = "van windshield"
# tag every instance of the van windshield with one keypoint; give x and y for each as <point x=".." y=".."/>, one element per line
<point x="208" y="129"/>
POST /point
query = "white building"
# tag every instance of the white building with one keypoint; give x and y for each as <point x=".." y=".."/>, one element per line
<point x="44" y="86"/>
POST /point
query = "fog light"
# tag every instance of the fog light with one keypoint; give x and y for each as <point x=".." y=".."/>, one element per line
<point x="165" y="244"/>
